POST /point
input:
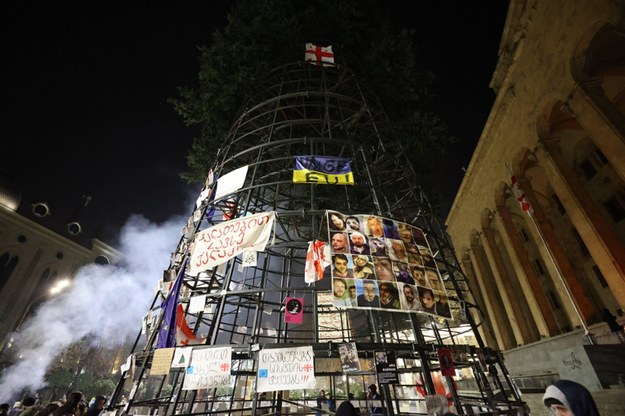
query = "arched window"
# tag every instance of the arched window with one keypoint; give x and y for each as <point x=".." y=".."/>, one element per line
<point x="7" y="265"/>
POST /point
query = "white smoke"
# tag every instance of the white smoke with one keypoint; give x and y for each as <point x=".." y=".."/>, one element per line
<point x="107" y="303"/>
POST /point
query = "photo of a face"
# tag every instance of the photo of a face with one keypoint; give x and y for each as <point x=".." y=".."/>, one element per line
<point x="339" y="243"/>
<point x="418" y="274"/>
<point x="337" y="222"/>
<point x="426" y="296"/>
<point x="377" y="247"/>
<point x="375" y="226"/>
<point x="369" y="291"/>
<point x="353" y="223"/>
<point x="434" y="280"/>
<point x="384" y="269"/>
<point x="339" y="288"/>
<point x="405" y="232"/>
<point x="396" y="250"/>
<point x="341" y="266"/>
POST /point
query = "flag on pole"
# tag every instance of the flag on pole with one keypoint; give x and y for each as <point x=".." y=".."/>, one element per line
<point x="319" y="55"/>
<point x="323" y="170"/>
<point x="317" y="259"/>
<point x="167" y="331"/>
<point x="518" y="193"/>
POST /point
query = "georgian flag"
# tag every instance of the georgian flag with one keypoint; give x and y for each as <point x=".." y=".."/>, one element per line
<point x="319" y="55"/>
<point x="317" y="259"/>
<point x="518" y="193"/>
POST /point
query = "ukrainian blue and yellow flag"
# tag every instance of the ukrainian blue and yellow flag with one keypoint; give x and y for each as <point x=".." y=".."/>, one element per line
<point x="323" y="170"/>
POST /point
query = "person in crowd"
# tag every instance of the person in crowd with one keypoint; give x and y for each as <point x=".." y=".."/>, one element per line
<point x="384" y="269"/>
<point x="568" y="398"/>
<point x="49" y="409"/>
<point x="16" y="409"/>
<point x="261" y="410"/>
<point x="363" y="268"/>
<point x="353" y="223"/>
<point x="30" y="408"/>
<point x="410" y="301"/>
<point x="346" y="408"/>
<point x="331" y="402"/>
<point x="4" y="409"/>
<point x="82" y="409"/>
<point x="369" y="297"/>
<point x="337" y="222"/>
<point x="359" y="243"/>
<point x="426" y="297"/>
<point x="389" y="297"/>
<point x="375" y="400"/>
<point x="376" y="228"/>
<point x="71" y="405"/>
<point x="615" y="327"/>
<point x="340" y="267"/>
<point x="339" y="243"/>
<point x="340" y="295"/>
<point x="321" y="398"/>
<point x="97" y="406"/>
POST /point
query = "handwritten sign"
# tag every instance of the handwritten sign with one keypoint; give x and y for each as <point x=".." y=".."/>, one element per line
<point x="285" y="369"/>
<point x="161" y="361"/>
<point x="218" y="244"/>
<point x="210" y="368"/>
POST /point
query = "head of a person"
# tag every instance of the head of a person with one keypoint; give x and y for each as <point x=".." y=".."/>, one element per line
<point x="369" y="291"/>
<point x="373" y="389"/>
<point x="322" y="392"/>
<point x="387" y="290"/>
<point x="408" y="293"/>
<point x="18" y="405"/>
<point x="339" y="288"/>
<point x="568" y="398"/>
<point x="100" y="401"/>
<point x="340" y="263"/>
<point x="405" y="232"/>
<point x="375" y="226"/>
<point x="352" y="223"/>
<point x="339" y="242"/>
<point x="50" y="408"/>
<point x="361" y="260"/>
<point x="358" y="239"/>
<point x="28" y="401"/>
<point x="418" y="275"/>
<point x="426" y="296"/>
<point x="4" y="407"/>
<point x="383" y="269"/>
<point x="352" y="292"/>
<point x="337" y="221"/>
<point x="399" y="249"/>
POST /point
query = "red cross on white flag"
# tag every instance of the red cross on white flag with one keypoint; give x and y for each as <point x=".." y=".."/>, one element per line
<point x="319" y="55"/>
<point x="518" y="193"/>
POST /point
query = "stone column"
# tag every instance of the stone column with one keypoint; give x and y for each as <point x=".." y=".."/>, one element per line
<point x="485" y="329"/>
<point x="530" y="283"/>
<point x="502" y="280"/>
<point x="496" y="313"/>
<point x="602" y="120"/>
<point x="599" y="237"/>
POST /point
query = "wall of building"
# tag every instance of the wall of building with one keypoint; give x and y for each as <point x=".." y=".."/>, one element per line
<point x="558" y="126"/>
<point x="33" y="259"/>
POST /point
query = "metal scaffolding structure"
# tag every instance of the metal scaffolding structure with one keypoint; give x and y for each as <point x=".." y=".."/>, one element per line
<point x="301" y="109"/>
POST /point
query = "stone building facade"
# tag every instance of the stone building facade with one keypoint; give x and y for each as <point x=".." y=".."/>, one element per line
<point x="558" y="126"/>
<point x="37" y="251"/>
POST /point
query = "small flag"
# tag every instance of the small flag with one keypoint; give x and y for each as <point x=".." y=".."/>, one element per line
<point x="167" y="331"/>
<point x="319" y="55"/>
<point x="518" y="193"/>
<point x="324" y="170"/>
<point x="317" y="259"/>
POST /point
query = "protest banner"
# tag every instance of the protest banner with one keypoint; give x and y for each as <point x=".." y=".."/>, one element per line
<point x="218" y="244"/>
<point x="285" y="369"/>
<point x="209" y="368"/>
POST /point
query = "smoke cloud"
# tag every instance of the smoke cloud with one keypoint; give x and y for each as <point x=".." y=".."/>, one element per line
<point x="107" y="303"/>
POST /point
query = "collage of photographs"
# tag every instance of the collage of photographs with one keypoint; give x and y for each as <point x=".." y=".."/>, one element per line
<point x="379" y="263"/>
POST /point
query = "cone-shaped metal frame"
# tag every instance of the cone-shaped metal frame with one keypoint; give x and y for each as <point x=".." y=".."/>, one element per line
<point x="306" y="110"/>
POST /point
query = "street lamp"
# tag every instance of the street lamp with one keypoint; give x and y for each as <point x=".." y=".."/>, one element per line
<point x="57" y="288"/>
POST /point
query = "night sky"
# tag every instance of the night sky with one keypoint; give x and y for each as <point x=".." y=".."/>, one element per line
<point x="85" y="89"/>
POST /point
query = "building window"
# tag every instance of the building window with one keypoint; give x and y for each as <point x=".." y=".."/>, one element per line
<point x="7" y="265"/>
<point x="558" y="204"/>
<point x="579" y="240"/>
<point x="592" y="164"/>
<point x="616" y="206"/>
<point x="553" y="300"/>
<point x="599" y="276"/>
<point x="538" y="266"/>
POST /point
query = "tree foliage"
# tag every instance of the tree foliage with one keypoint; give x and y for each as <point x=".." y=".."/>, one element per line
<point x="264" y="34"/>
